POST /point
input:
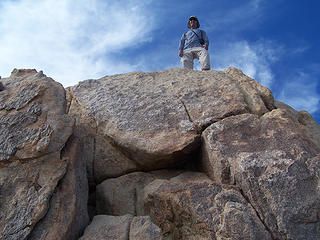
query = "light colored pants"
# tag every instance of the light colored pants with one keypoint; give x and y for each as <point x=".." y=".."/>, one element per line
<point x="199" y="53"/>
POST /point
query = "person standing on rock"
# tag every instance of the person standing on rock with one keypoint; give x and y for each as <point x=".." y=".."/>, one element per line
<point x="194" y="45"/>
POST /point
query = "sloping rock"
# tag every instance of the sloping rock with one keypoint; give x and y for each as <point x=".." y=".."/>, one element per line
<point x="308" y="124"/>
<point x="270" y="159"/>
<point x="147" y="121"/>
<point x="200" y="209"/>
<point x="34" y="128"/>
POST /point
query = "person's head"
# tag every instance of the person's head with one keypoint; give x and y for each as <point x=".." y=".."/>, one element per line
<point x="193" y="22"/>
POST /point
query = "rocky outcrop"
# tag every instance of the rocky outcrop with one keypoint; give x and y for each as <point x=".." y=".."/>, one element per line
<point x="147" y="121"/>
<point x="34" y="174"/>
<point x="175" y="154"/>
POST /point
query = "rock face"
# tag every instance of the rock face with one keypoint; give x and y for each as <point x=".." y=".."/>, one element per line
<point x="272" y="161"/>
<point x="175" y="154"/>
<point x="34" y="129"/>
<point x="156" y="119"/>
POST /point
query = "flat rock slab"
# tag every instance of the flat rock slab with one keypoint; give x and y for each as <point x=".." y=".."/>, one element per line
<point x="155" y="119"/>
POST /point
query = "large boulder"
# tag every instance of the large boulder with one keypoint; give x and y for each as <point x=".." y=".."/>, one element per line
<point x="274" y="162"/>
<point x="148" y="121"/>
<point x="34" y="174"/>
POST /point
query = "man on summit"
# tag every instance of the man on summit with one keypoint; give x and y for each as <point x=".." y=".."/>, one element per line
<point x="194" y="44"/>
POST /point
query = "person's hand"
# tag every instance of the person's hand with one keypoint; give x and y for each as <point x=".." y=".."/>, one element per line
<point x="205" y="46"/>
<point x="180" y="53"/>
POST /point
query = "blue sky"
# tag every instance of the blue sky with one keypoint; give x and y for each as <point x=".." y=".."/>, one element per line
<point x="275" y="42"/>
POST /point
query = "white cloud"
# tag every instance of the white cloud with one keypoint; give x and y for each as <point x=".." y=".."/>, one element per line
<point x="70" y="41"/>
<point x="254" y="60"/>
<point x="301" y="93"/>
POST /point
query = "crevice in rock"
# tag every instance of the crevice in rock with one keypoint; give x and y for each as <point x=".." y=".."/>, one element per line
<point x="258" y="215"/>
<point x="1" y="87"/>
<point x="269" y="106"/>
<point x="230" y="114"/>
<point x="69" y="97"/>
<point x="135" y="201"/>
<point x="189" y="116"/>
<point x="129" y="228"/>
<point x="193" y="161"/>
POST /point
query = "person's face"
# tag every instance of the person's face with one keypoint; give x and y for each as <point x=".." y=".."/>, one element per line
<point x="193" y="23"/>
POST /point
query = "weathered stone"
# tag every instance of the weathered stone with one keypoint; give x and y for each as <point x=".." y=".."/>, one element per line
<point x="259" y="99"/>
<point x="201" y="209"/>
<point x="32" y="115"/>
<point x="103" y="158"/>
<point x="34" y="127"/>
<point x="152" y="120"/>
<point x="108" y="227"/>
<point x="142" y="228"/>
<point x="67" y="216"/>
<point x="122" y="227"/>
<point x="269" y="159"/>
<point x="124" y="195"/>
<point x="25" y="192"/>
<point x="308" y="124"/>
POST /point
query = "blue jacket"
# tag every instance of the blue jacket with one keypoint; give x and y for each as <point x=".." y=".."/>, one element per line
<point x="190" y="39"/>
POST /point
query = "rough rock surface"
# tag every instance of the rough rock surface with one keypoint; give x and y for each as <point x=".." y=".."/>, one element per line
<point x="121" y="228"/>
<point x="33" y="116"/>
<point x="142" y="228"/>
<point x="147" y="121"/>
<point x="272" y="160"/>
<point x="310" y="127"/>
<point x="124" y="195"/>
<point x="67" y="216"/>
<point x="193" y="207"/>
<point x="25" y="191"/>
<point x="34" y="128"/>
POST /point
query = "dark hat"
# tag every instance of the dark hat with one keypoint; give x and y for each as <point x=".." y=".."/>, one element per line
<point x="193" y="18"/>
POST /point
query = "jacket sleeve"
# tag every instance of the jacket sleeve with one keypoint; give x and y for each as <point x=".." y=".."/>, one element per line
<point x="182" y="40"/>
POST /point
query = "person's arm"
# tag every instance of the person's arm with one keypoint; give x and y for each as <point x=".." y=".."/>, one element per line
<point x="206" y="40"/>
<point x="181" y="45"/>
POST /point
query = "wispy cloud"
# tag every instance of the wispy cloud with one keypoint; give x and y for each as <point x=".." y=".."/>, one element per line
<point x="254" y="60"/>
<point x="71" y="41"/>
<point x="300" y="92"/>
